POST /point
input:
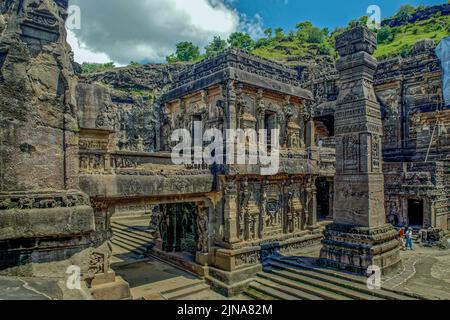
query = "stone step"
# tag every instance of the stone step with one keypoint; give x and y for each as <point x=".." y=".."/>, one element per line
<point x="169" y="286"/>
<point x="121" y="225"/>
<point x="126" y="243"/>
<point x="299" y="294"/>
<point x="185" y="292"/>
<point x="173" y="289"/>
<point x="117" y="290"/>
<point x="391" y="294"/>
<point x="130" y="248"/>
<point x="323" y="285"/>
<point x="322" y="270"/>
<point x="131" y="240"/>
<point x="257" y="295"/>
<point x="133" y="232"/>
<point x="268" y="291"/>
<point x="303" y="287"/>
<point x="319" y="277"/>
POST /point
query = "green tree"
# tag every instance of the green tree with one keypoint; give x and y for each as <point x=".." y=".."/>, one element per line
<point x="268" y="32"/>
<point x="279" y="33"/>
<point x="217" y="45"/>
<point x="241" y="40"/>
<point x="315" y="35"/>
<point x="96" y="67"/>
<point x="385" y="35"/>
<point x="307" y="32"/>
<point x="304" y="25"/>
<point x="186" y="51"/>
<point x="405" y="12"/>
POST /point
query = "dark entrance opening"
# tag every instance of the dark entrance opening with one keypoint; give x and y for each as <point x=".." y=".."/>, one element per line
<point x="323" y="199"/>
<point x="327" y="124"/>
<point x="415" y="213"/>
<point x="270" y="123"/>
<point x="179" y="227"/>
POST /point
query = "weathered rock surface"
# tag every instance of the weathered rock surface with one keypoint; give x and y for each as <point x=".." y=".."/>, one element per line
<point x="46" y="223"/>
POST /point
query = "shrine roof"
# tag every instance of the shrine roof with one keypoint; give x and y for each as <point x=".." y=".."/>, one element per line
<point x="240" y="66"/>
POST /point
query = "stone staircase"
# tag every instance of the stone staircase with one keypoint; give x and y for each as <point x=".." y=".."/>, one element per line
<point x="179" y="288"/>
<point x="130" y="243"/>
<point x="293" y="279"/>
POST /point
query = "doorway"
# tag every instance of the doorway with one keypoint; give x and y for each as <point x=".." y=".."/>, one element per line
<point x="415" y="212"/>
<point x="324" y="189"/>
<point x="179" y="227"/>
<point x="270" y="123"/>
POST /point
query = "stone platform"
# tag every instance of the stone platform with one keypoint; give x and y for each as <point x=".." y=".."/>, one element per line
<point x="355" y="249"/>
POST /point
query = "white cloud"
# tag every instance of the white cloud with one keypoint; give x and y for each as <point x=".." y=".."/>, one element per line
<point x="126" y="30"/>
<point x="82" y="53"/>
<point x="254" y="27"/>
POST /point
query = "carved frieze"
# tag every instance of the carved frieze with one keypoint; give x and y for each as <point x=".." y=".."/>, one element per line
<point x="43" y="201"/>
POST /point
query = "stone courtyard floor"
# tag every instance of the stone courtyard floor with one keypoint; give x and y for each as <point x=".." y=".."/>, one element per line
<point x="425" y="272"/>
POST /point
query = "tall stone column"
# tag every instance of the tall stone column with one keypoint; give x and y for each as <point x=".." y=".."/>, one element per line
<point x="360" y="236"/>
<point x="230" y="212"/>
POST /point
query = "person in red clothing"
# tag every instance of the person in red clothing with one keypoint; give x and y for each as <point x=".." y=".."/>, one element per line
<point x="402" y="237"/>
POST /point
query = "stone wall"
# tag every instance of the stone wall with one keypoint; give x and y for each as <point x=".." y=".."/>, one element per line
<point x="46" y="223"/>
<point x="134" y="93"/>
<point x="415" y="126"/>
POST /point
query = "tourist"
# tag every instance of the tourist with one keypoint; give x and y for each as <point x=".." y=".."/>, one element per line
<point x="402" y="237"/>
<point x="409" y="240"/>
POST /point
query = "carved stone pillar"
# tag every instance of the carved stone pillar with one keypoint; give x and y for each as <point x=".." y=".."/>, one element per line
<point x="230" y="212"/>
<point x="313" y="209"/>
<point x="102" y="280"/>
<point x="203" y="212"/>
<point x="260" y="109"/>
<point x="311" y="203"/>
<point x="359" y="237"/>
<point x="310" y="133"/>
<point x="231" y="106"/>
<point x="72" y="166"/>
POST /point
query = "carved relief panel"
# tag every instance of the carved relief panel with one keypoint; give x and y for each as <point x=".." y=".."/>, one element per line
<point x="351" y="146"/>
<point x="273" y="211"/>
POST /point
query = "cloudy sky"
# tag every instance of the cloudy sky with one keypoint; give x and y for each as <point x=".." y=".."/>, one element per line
<point x="148" y="30"/>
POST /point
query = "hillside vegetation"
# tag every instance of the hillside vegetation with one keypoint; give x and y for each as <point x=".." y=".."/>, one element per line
<point x="309" y="42"/>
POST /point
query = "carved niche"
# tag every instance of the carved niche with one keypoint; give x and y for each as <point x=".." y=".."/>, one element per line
<point x="249" y="212"/>
<point x="351" y="152"/>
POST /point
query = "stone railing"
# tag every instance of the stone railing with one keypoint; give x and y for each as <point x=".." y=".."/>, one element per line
<point x="327" y="161"/>
<point x="327" y="142"/>
<point x="109" y="163"/>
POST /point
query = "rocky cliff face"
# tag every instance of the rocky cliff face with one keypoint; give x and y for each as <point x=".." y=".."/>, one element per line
<point x="134" y="93"/>
<point x="36" y="61"/>
<point x="46" y="222"/>
<point x="419" y="15"/>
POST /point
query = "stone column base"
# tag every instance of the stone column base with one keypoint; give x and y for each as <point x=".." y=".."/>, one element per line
<point x="355" y="249"/>
<point x="231" y="283"/>
<point x="110" y="287"/>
